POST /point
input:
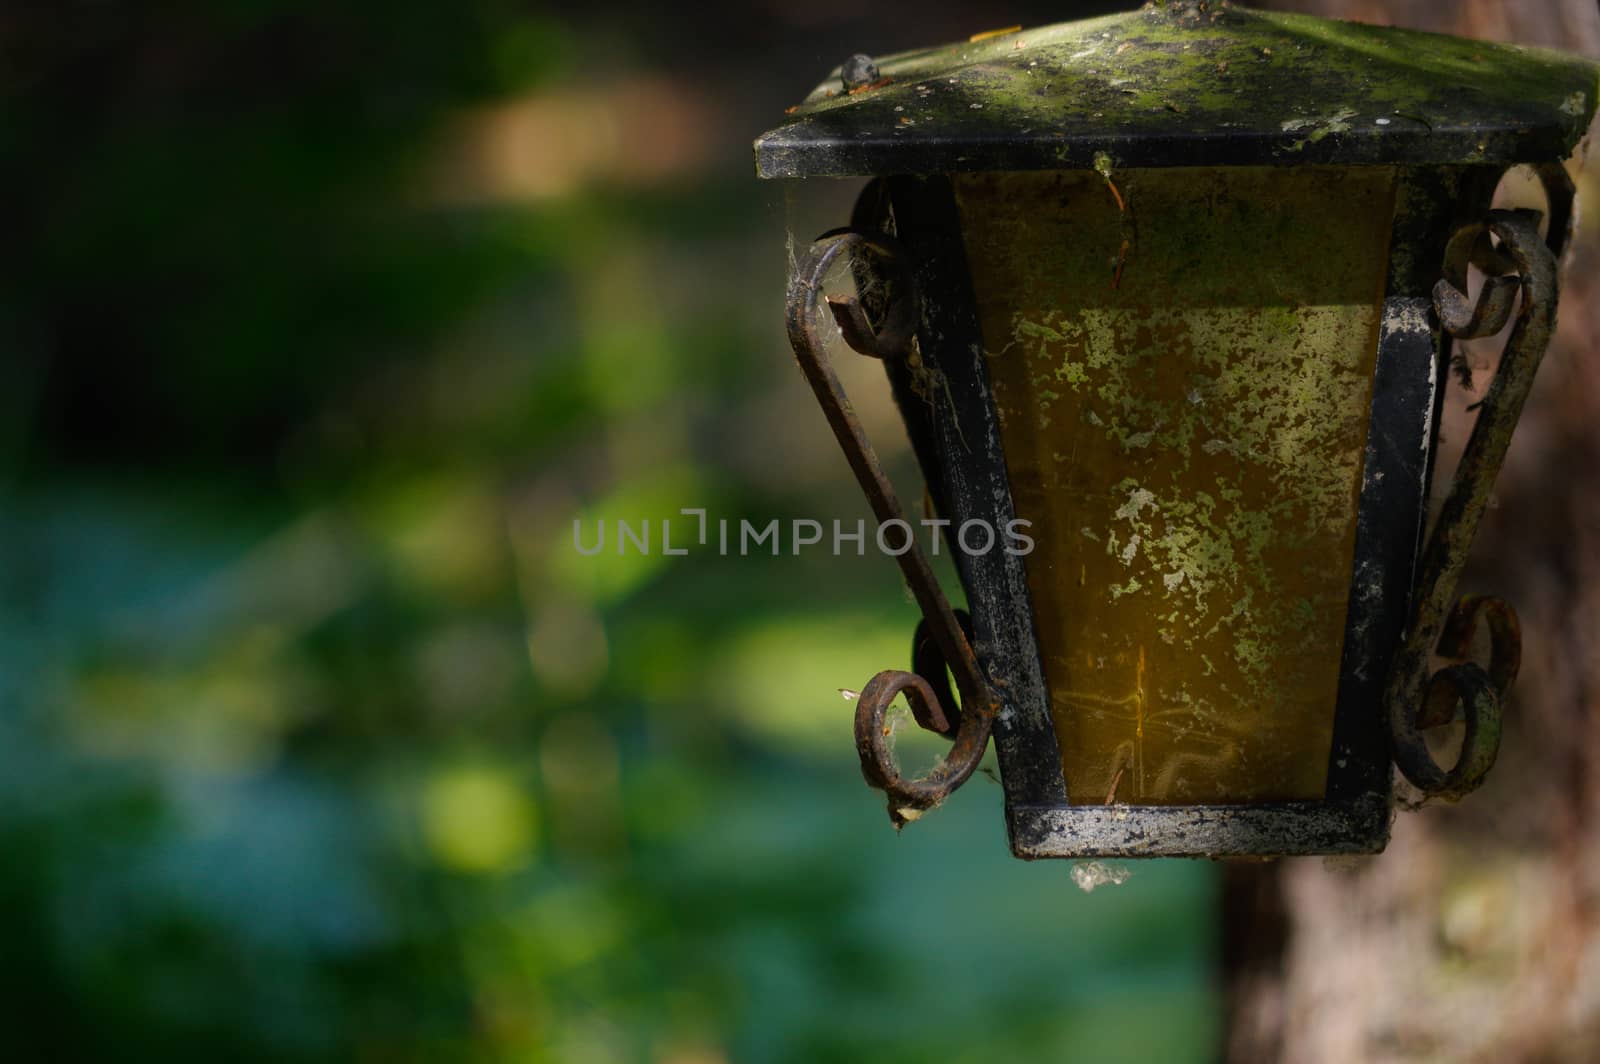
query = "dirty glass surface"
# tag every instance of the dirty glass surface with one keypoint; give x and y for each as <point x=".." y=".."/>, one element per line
<point x="1182" y="364"/>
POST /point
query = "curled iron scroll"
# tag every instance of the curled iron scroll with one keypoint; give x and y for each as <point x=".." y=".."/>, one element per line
<point x="1506" y="245"/>
<point x="892" y="338"/>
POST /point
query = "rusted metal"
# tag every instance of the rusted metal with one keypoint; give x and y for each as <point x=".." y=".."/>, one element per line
<point x="1417" y="701"/>
<point x="1561" y="195"/>
<point x="908" y="798"/>
<point x="927" y="661"/>
<point x="1456" y="643"/>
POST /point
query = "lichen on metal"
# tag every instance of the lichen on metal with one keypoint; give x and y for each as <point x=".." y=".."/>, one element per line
<point x="1191" y="84"/>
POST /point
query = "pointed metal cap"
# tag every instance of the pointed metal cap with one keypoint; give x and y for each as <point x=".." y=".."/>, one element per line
<point x="1190" y="84"/>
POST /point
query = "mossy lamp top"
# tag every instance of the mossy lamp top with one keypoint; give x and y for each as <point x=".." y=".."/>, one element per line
<point x="1190" y="84"/>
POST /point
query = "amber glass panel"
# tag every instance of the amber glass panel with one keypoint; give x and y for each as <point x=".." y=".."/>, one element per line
<point x="1182" y="363"/>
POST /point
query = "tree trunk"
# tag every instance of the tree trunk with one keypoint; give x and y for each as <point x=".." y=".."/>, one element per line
<point x="1474" y="937"/>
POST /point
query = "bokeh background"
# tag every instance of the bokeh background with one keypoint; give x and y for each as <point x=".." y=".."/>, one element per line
<point x="318" y="740"/>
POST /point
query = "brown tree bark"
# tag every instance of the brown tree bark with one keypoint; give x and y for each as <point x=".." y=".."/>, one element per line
<point x="1474" y="938"/>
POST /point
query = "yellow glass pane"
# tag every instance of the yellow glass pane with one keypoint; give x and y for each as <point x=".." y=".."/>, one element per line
<point x="1182" y="364"/>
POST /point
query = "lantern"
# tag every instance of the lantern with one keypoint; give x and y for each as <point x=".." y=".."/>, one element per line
<point x="1175" y="289"/>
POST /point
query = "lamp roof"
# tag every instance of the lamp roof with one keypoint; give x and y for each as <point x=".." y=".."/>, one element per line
<point x="1190" y="84"/>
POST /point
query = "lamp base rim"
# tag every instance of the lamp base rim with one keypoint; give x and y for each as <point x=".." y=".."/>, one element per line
<point x="1276" y="829"/>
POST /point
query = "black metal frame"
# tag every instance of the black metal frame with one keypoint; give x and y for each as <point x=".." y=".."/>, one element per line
<point x="966" y="475"/>
<point x="1042" y="823"/>
<point x="1399" y="607"/>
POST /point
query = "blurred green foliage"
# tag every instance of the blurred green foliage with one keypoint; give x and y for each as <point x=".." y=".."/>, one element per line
<point x="318" y="740"/>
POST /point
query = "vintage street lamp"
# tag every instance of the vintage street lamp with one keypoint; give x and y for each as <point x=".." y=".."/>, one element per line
<point x="1177" y="287"/>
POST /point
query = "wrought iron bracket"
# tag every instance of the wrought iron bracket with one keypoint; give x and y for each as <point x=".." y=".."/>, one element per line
<point x="1522" y="262"/>
<point x="892" y="338"/>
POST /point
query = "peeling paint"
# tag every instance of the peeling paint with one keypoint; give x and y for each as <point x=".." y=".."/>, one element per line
<point x="1320" y="127"/>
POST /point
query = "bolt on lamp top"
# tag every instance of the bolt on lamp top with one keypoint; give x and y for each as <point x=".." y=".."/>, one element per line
<point x="1191" y="83"/>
